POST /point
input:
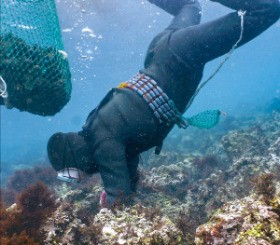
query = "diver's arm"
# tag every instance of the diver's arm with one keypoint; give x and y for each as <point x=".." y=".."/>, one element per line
<point x="132" y="163"/>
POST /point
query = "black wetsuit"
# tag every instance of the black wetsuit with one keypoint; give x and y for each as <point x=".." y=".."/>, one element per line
<point x="124" y="126"/>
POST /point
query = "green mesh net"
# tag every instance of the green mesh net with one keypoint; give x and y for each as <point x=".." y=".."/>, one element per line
<point x="206" y="119"/>
<point x="32" y="61"/>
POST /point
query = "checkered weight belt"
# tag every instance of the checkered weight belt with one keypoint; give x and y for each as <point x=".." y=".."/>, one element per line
<point x="162" y="107"/>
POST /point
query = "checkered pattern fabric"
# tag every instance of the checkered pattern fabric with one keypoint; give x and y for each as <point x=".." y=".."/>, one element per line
<point x="162" y="107"/>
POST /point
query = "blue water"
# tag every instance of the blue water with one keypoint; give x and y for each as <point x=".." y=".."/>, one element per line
<point x="114" y="51"/>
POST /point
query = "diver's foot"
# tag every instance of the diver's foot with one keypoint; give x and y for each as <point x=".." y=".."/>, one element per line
<point x="71" y="175"/>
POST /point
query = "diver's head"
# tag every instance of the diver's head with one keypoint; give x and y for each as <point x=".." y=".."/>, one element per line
<point x="69" y="150"/>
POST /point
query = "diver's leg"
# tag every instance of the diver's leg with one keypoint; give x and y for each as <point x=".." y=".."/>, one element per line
<point x="199" y="44"/>
<point x="170" y="6"/>
<point x="186" y="12"/>
<point x="189" y="15"/>
<point x="132" y="163"/>
<point x="111" y="159"/>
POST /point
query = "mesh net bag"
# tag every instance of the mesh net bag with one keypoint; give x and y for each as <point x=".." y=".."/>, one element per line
<point x="32" y="61"/>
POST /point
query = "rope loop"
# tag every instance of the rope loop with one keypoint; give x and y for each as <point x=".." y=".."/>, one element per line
<point x="241" y="14"/>
<point x="3" y="88"/>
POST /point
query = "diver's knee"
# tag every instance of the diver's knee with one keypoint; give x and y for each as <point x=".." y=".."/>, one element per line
<point x="197" y="4"/>
<point x="273" y="9"/>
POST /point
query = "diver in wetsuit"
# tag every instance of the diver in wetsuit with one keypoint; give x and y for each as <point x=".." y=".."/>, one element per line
<point x="137" y="115"/>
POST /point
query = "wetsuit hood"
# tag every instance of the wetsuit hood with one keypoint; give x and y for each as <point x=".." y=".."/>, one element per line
<point x="67" y="150"/>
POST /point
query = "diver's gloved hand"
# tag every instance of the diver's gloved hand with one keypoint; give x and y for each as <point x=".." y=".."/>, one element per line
<point x="107" y="200"/>
<point x="103" y="200"/>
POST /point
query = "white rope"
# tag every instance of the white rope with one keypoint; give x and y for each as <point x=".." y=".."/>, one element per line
<point x="3" y="88"/>
<point x="241" y="14"/>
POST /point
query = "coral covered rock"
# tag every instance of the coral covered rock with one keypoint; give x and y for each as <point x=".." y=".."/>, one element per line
<point x="169" y="178"/>
<point x="133" y="226"/>
<point x="79" y="218"/>
<point x="72" y="221"/>
<point x="245" y="221"/>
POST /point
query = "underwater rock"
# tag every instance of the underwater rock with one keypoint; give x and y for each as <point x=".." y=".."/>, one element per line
<point x="245" y="221"/>
<point x="131" y="226"/>
<point x="274" y="150"/>
<point x="79" y="219"/>
<point x="165" y="158"/>
<point x="168" y="178"/>
<point x="254" y="140"/>
<point x="62" y="226"/>
<point x="238" y="143"/>
<point x="77" y="209"/>
<point x="253" y="150"/>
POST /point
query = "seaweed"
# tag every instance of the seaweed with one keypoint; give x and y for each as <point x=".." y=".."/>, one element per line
<point x="264" y="186"/>
<point x="205" y="165"/>
<point x="23" y="178"/>
<point x="92" y="232"/>
<point x="187" y="222"/>
<point x="22" y="222"/>
<point x="21" y="238"/>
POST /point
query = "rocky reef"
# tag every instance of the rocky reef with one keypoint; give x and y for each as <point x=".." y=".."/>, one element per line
<point x="245" y="221"/>
<point x="136" y="225"/>
<point x="78" y="218"/>
<point x="223" y="189"/>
